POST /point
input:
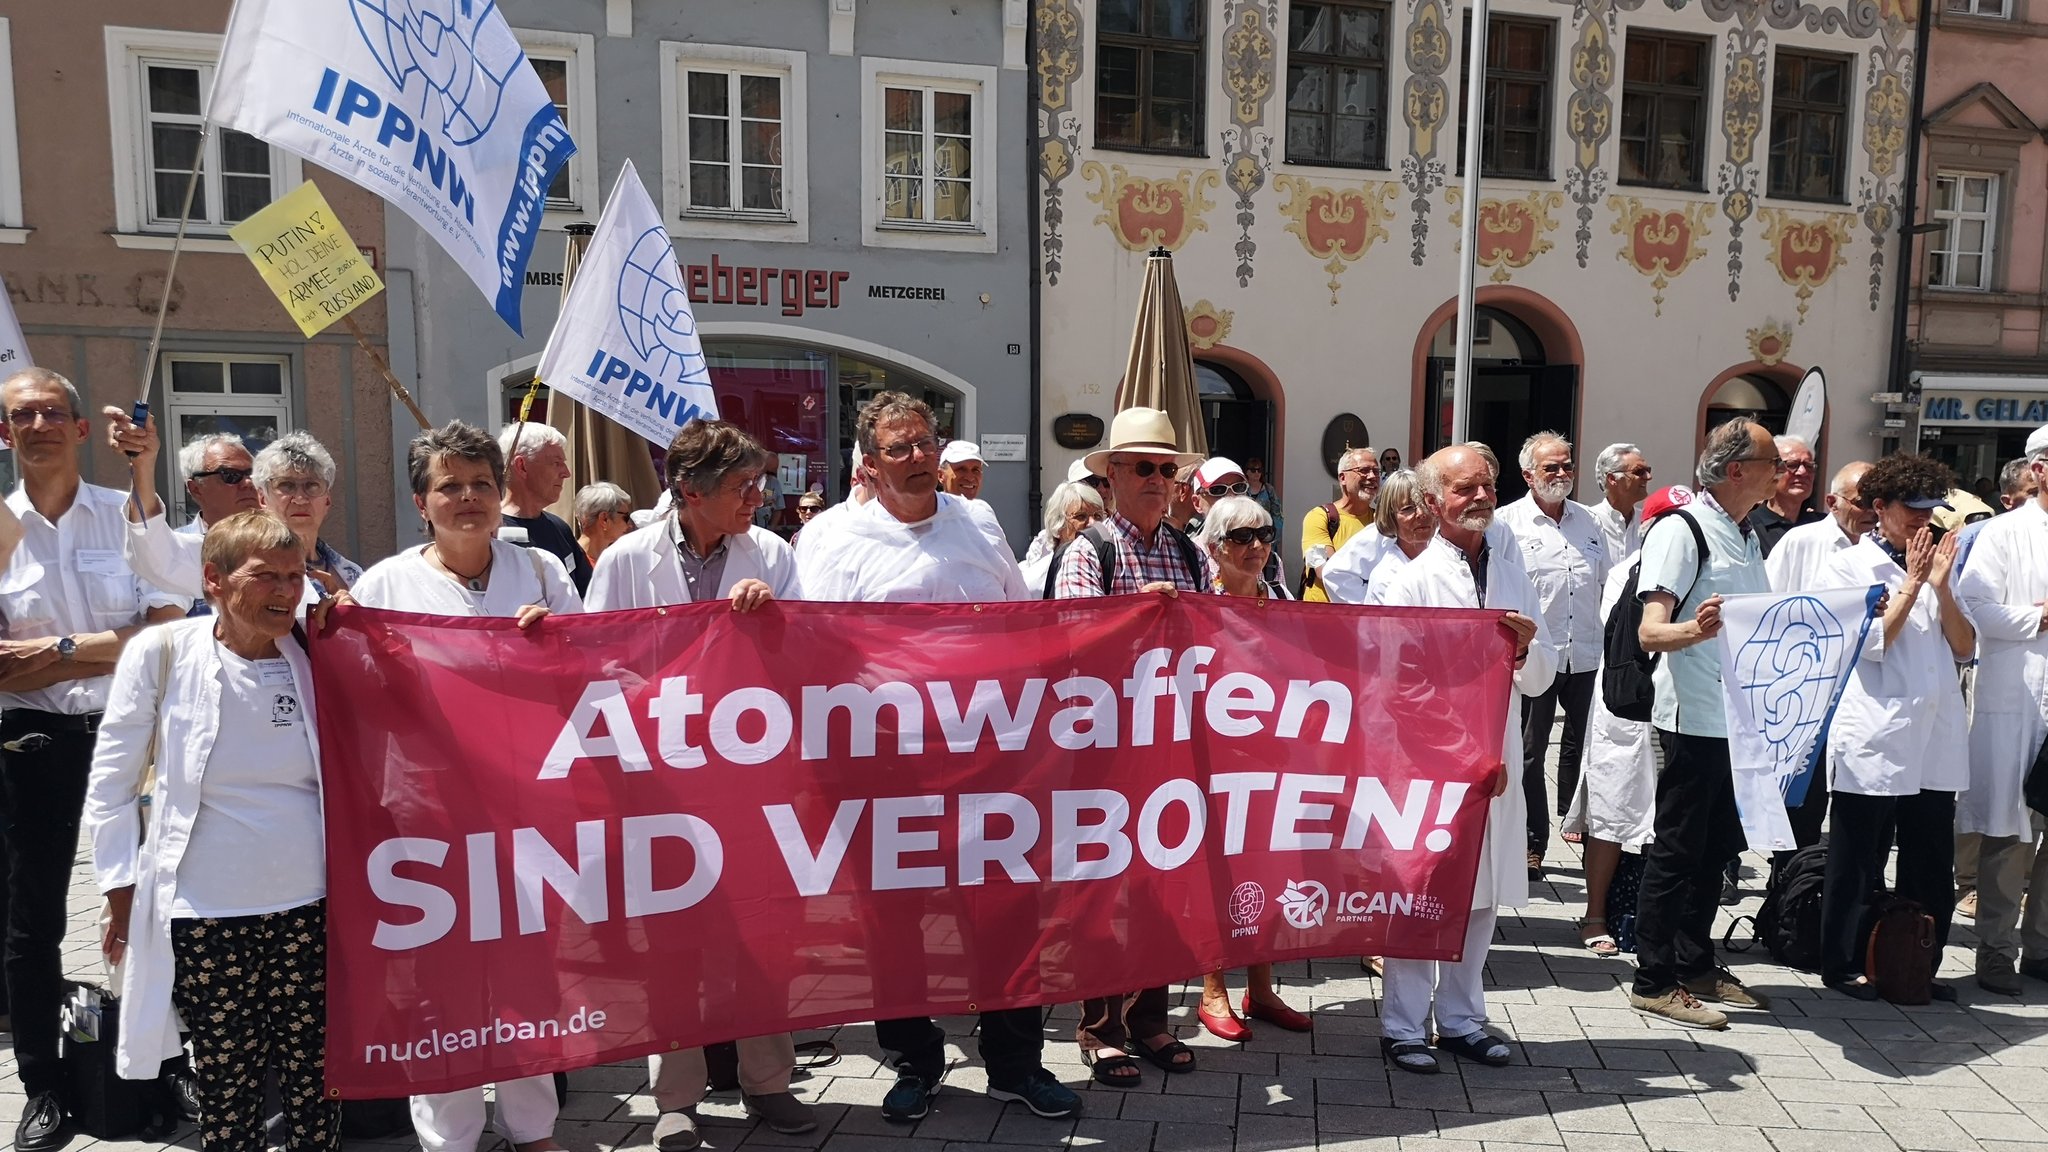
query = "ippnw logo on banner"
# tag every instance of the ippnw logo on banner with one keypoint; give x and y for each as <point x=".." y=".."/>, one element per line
<point x="1305" y="903"/>
<point x="1247" y="904"/>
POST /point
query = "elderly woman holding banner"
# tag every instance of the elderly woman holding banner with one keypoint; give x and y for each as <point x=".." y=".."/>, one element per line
<point x="1238" y="533"/>
<point x="707" y="547"/>
<point x="230" y="876"/>
<point x="458" y="480"/>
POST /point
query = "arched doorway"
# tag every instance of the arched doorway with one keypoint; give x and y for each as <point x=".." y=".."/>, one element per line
<point x="1236" y="419"/>
<point x="1750" y="396"/>
<point x="1521" y="384"/>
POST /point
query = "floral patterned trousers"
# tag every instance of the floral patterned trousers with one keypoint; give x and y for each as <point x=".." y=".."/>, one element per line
<point x="253" y="992"/>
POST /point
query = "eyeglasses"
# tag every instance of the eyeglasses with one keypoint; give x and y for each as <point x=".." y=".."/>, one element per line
<point x="291" y="489"/>
<point x="1245" y="536"/>
<point x="1564" y="469"/>
<point x="228" y="476"/>
<point x="745" y="486"/>
<point x="1798" y="466"/>
<point x="1237" y="489"/>
<point x="1144" y="469"/>
<point x="1099" y="483"/>
<point x="1777" y="462"/>
<point x="898" y="453"/>
<point x="1371" y="471"/>
<point x="26" y="417"/>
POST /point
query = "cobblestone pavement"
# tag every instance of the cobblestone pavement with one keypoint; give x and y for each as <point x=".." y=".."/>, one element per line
<point x="1821" y="1073"/>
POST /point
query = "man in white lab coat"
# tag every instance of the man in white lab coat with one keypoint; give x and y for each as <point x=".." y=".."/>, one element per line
<point x="1459" y="570"/>
<point x="2004" y="587"/>
<point x="911" y="543"/>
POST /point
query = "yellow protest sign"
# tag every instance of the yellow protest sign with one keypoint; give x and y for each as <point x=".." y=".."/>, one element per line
<point x="304" y="254"/>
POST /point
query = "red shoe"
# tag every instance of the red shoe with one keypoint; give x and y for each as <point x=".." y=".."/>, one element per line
<point x="1224" y="1027"/>
<point x="1282" y="1016"/>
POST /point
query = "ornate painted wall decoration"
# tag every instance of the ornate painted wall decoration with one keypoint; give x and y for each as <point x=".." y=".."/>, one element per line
<point x="1589" y="113"/>
<point x="1060" y="47"/>
<point x="1660" y="242"/>
<point x="1208" y="325"/>
<point x="1806" y="252"/>
<point x="1426" y="107"/>
<point x="1248" y="56"/>
<point x="1511" y="232"/>
<point x="1337" y="224"/>
<point x="1151" y="213"/>
<point x="1770" y="344"/>
<point x="1742" y="118"/>
<point x="1887" y="110"/>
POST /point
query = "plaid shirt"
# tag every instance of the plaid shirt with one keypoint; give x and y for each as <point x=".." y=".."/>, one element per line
<point x="1138" y="562"/>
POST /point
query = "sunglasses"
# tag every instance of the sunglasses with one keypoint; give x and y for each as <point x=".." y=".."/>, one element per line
<point x="1237" y="489"/>
<point x="1245" y="536"/>
<point x="228" y="476"/>
<point x="1099" y="483"/>
<point x="1144" y="469"/>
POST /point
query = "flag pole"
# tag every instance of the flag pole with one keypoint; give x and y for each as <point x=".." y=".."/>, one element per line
<point x="575" y="235"/>
<point x="390" y="378"/>
<point x="163" y="305"/>
<point x="1468" y="252"/>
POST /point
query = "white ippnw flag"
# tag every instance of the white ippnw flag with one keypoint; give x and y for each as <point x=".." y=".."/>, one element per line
<point x="13" y="345"/>
<point x="431" y="104"/>
<point x="626" y="343"/>
<point x="1784" y="661"/>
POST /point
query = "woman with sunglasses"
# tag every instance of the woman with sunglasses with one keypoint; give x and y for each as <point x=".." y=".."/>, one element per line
<point x="1069" y="511"/>
<point x="1402" y="527"/>
<point x="1216" y="479"/>
<point x="1238" y="534"/>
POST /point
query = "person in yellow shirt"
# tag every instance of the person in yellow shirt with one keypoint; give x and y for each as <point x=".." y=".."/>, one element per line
<point x="1326" y="527"/>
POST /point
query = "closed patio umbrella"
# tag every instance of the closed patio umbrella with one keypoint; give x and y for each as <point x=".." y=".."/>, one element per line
<point x="1160" y="371"/>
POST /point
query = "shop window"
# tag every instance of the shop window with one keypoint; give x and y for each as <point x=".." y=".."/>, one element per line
<point x="562" y="60"/>
<point x="248" y="396"/>
<point x="158" y="82"/>
<point x="1966" y="203"/>
<point x="1809" y="126"/>
<point x="735" y="142"/>
<point x="1148" y="75"/>
<point x="1515" y="138"/>
<point x="1337" y="84"/>
<point x="1663" y="111"/>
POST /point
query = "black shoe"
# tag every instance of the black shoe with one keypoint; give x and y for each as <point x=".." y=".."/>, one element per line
<point x="911" y="1099"/>
<point x="1731" y="892"/>
<point x="1942" y="993"/>
<point x="185" y="1090"/>
<point x="42" y="1125"/>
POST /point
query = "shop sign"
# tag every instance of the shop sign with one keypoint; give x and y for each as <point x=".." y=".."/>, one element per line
<point x="1987" y="409"/>
<point x="801" y="288"/>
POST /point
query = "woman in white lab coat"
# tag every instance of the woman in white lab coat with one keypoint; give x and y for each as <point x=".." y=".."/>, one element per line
<point x="218" y="905"/>
<point x="1892" y="744"/>
<point x="2003" y="587"/>
<point x="458" y="480"/>
<point x="1402" y="526"/>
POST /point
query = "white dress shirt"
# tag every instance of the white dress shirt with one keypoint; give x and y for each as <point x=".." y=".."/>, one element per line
<point x="1801" y="557"/>
<point x="68" y="579"/>
<point x="642" y="570"/>
<point x="1623" y="535"/>
<point x="1566" y="560"/>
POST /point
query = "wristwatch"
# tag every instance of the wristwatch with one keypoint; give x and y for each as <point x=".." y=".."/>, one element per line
<point x="66" y="648"/>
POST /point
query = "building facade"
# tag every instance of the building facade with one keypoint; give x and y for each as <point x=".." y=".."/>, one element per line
<point x="99" y="115"/>
<point x="845" y="187"/>
<point x="1978" y="342"/>
<point x="1684" y="205"/>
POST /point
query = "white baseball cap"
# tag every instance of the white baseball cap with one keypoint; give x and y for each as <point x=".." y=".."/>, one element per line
<point x="1216" y="468"/>
<point x="1078" y="471"/>
<point x="958" y="451"/>
<point x="2037" y="441"/>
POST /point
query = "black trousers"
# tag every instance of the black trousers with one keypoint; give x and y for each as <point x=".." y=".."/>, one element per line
<point x="42" y="796"/>
<point x="1012" y="1044"/>
<point x="1698" y="832"/>
<point x="1574" y="690"/>
<point x="1859" y="841"/>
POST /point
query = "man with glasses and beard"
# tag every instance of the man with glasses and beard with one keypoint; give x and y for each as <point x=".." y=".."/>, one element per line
<point x="1564" y="552"/>
<point x="1328" y="527"/>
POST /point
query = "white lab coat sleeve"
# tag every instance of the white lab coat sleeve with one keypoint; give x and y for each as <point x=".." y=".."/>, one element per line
<point x="1983" y="588"/>
<point x="778" y="568"/>
<point x="1533" y="678"/>
<point x="611" y="583"/>
<point x="558" y="592"/>
<point x="113" y="813"/>
<point x="164" y="559"/>
<point x="1344" y="574"/>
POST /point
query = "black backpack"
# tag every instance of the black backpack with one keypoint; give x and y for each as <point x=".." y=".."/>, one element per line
<point x="1788" y="924"/>
<point x="1105" y="555"/>
<point x="1625" y="668"/>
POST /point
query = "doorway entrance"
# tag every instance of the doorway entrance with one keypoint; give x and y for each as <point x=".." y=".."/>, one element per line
<point x="1516" y="391"/>
<point x="1238" y="423"/>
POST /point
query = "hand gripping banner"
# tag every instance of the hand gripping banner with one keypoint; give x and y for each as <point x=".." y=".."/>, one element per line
<point x="640" y="831"/>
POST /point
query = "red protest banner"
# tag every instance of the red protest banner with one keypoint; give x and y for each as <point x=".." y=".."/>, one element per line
<point x="638" y="831"/>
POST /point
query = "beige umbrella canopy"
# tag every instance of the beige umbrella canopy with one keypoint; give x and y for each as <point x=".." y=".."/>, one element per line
<point x="599" y="449"/>
<point x="1160" y="371"/>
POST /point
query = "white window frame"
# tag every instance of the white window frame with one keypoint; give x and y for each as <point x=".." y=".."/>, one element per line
<point x="179" y="404"/>
<point x="11" y="229"/>
<point x="877" y="74"/>
<point x="1943" y="241"/>
<point x="127" y="48"/>
<point x="1984" y="9"/>
<point x="579" y="52"/>
<point x="793" y="224"/>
